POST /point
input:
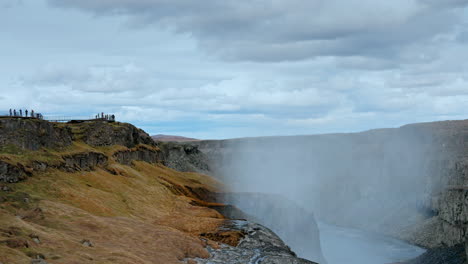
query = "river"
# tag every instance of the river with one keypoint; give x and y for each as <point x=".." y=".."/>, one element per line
<point x="352" y="246"/>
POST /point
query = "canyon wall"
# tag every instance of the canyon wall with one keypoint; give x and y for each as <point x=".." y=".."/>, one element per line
<point x="409" y="182"/>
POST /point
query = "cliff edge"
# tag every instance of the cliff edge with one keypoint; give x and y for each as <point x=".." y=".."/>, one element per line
<point x="105" y="192"/>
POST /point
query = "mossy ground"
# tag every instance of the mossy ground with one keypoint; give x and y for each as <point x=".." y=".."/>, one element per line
<point x="130" y="215"/>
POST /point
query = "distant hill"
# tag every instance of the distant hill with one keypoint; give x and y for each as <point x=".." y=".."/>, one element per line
<point x="172" y="138"/>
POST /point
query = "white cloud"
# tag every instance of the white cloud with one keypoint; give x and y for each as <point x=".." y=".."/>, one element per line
<point x="265" y="30"/>
<point x="259" y="68"/>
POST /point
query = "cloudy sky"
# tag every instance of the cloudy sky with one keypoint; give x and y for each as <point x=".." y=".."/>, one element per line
<point x="222" y="69"/>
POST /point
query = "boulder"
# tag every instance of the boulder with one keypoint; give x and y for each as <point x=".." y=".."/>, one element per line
<point x="257" y="245"/>
<point x="11" y="173"/>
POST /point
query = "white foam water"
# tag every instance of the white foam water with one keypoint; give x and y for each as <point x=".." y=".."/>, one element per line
<point x="352" y="246"/>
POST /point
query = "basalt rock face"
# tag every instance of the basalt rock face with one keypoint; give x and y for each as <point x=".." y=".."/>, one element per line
<point x="28" y="134"/>
<point x="258" y="245"/>
<point x="86" y="161"/>
<point x="448" y="222"/>
<point x="184" y="157"/>
<point x="140" y="153"/>
<point x="443" y="255"/>
<point x="108" y="134"/>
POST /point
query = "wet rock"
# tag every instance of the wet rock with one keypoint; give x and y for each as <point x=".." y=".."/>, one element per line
<point x="443" y="255"/>
<point x="296" y="226"/>
<point x="258" y="245"/>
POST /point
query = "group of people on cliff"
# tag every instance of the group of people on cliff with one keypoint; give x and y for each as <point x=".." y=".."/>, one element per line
<point x="25" y="113"/>
<point x="107" y="117"/>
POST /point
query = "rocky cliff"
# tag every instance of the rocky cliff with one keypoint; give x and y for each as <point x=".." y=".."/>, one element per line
<point x="99" y="192"/>
<point x="296" y="226"/>
<point x="410" y="182"/>
<point x="258" y="245"/>
<point x="184" y="157"/>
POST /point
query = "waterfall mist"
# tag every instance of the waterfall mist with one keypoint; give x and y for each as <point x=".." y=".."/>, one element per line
<point x="378" y="180"/>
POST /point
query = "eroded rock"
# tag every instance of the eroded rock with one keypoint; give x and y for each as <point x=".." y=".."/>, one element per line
<point x="296" y="226"/>
<point x="184" y="157"/>
<point x="108" y="134"/>
<point x="10" y="173"/>
<point x="86" y="161"/>
<point x="139" y="153"/>
<point x="27" y="134"/>
<point x="258" y="245"/>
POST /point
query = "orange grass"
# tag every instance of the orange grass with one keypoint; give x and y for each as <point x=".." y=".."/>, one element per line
<point x="130" y="217"/>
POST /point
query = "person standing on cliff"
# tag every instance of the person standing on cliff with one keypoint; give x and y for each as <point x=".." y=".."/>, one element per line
<point x="26" y="113"/>
<point x="11" y="112"/>
<point x="21" y="113"/>
<point x="32" y="112"/>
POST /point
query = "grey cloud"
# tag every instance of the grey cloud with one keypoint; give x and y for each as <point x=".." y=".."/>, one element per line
<point x="266" y="30"/>
<point x="446" y="3"/>
<point x="10" y="3"/>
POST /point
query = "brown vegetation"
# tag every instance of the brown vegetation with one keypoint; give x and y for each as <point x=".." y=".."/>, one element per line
<point x="138" y="213"/>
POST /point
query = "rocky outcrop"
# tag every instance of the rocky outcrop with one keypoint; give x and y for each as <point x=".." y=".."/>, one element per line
<point x="296" y="226"/>
<point x="140" y="153"/>
<point x="183" y="157"/>
<point x="31" y="134"/>
<point x="257" y="245"/>
<point x="85" y="161"/>
<point x="82" y="161"/>
<point x="10" y="173"/>
<point x="442" y="255"/>
<point x="107" y="134"/>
